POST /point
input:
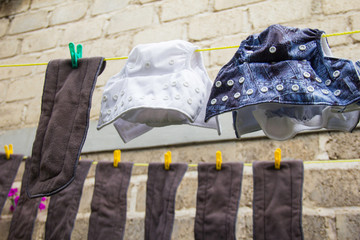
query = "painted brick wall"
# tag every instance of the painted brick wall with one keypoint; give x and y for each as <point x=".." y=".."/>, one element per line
<point x="39" y="30"/>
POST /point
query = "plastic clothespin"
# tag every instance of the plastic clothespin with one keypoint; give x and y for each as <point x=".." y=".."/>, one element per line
<point x="117" y="157"/>
<point x="218" y="160"/>
<point x="8" y="150"/>
<point x="167" y="160"/>
<point x="75" y="55"/>
<point x="277" y="155"/>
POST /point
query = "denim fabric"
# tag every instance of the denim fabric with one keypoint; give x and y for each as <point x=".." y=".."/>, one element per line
<point x="289" y="66"/>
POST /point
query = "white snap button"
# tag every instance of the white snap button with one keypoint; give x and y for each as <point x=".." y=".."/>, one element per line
<point x="224" y="98"/>
<point x="249" y="92"/>
<point x="165" y="86"/>
<point x="197" y="90"/>
<point x="264" y="89"/>
<point x="241" y="80"/>
<point x="130" y="99"/>
<point x="306" y="74"/>
<point x="122" y="104"/>
<point x="318" y="80"/>
<point x="310" y="88"/>
<point x="272" y="49"/>
<point x="109" y="111"/>
<point x="189" y="101"/>
<point x="116" y="107"/>
<point x="213" y="101"/>
<point x="177" y="97"/>
<point x="302" y="47"/>
<point x="230" y="83"/>
<point x="115" y="97"/>
<point x="173" y="83"/>
<point x="147" y="65"/>
<point x="237" y="95"/>
<point x="324" y="91"/>
<point x="105" y="98"/>
<point x="328" y="82"/>
<point x="186" y="84"/>
<point x="279" y="87"/>
<point x="166" y="98"/>
<point x="336" y="73"/>
<point x="122" y="93"/>
<point x="337" y="92"/>
<point x="171" y="62"/>
<point x="218" y="84"/>
<point x="295" y="87"/>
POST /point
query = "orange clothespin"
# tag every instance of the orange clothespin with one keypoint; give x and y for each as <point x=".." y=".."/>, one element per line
<point x="277" y="155"/>
<point x="117" y="157"/>
<point x="8" y="150"/>
<point x="167" y="160"/>
<point x="218" y="160"/>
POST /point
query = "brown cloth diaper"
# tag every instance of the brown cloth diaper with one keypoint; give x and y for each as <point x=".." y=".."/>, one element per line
<point x="218" y="197"/>
<point x="63" y="124"/>
<point x="64" y="206"/>
<point x="8" y="170"/>
<point x="24" y="216"/>
<point x="109" y="202"/>
<point x="161" y="190"/>
<point x="277" y="206"/>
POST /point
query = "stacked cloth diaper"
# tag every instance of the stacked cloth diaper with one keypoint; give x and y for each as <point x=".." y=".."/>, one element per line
<point x="284" y="81"/>
<point x="161" y="84"/>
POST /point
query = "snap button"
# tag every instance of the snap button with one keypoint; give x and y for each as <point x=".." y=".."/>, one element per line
<point x="241" y="80"/>
<point x="336" y="73"/>
<point x="108" y="111"/>
<point x="189" y="101"/>
<point x="279" y="87"/>
<point x="272" y="49"/>
<point x="230" y="83"/>
<point x="306" y="74"/>
<point x="116" y="107"/>
<point x="328" y="82"/>
<point x="105" y="98"/>
<point x="310" y="88"/>
<point x="173" y="83"/>
<point x="218" y="84"/>
<point x="165" y="86"/>
<point x="324" y="91"/>
<point x="147" y="65"/>
<point x="337" y="92"/>
<point x="318" y="80"/>
<point x="171" y="62"/>
<point x="237" y="95"/>
<point x="115" y="97"/>
<point x="130" y="99"/>
<point x="249" y="92"/>
<point x="224" y="98"/>
<point x="166" y="98"/>
<point x="122" y="104"/>
<point x="213" y="101"/>
<point x="186" y="84"/>
<point x="295" y="87"/>
<point x="177" y="97"/>
<point x="264" y="89"/>
<point x="122" y="93"/>
<point x="197" y="90"/>
<point x="302" y="47"/>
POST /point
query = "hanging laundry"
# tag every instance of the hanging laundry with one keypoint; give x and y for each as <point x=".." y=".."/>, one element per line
<point x="284" y="81"/>
<point x="161" y="190"/>
<point x="24" y="216"/>
<point x="64" y="206"/>
<point x="63" y="124"/>
<point x="161" y="84"/>
<point x="277" y="202"/>
<point x="8" y="170"/>
<point x="109" y="202"/>
<point x="218" y="197"/>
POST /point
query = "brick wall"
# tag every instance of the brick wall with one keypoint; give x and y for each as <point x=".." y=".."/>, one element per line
<point x="39" y="30"/>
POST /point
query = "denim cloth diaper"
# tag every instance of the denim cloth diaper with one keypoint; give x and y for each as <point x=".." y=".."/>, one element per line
<point x="285" y="80"/>
<point x="161" y="84"/>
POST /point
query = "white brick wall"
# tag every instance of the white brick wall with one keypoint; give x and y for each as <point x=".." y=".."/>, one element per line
<point x="29" y="21"/>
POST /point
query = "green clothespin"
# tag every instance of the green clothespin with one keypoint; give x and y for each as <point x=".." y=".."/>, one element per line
<point x="75" y="55"/>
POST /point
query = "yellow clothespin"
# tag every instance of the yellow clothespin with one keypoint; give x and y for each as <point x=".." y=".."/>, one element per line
<point x="117" y="157"/>
<point x="218" y="160"/>
<point x="277" y="158"/>
<point x="167" y="160"/>
<point x="8" y="150"/>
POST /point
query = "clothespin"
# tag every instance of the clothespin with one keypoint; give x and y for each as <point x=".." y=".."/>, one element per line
<point x="117" y="157"/>
<point x="75" y="55"/>
<point x="277" y="155"/>
<point x="8" y="150"/>
<point x="167" y="160"/>
<point x="218" y="160"/>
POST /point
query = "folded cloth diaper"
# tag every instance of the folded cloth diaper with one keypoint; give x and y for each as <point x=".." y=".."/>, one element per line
<point x="285" y="80"/>
<point x="161" y="84"/>
<point x="63" y="124"/>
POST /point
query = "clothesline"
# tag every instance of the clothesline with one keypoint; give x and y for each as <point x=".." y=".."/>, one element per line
<point x="198" y="50"/>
